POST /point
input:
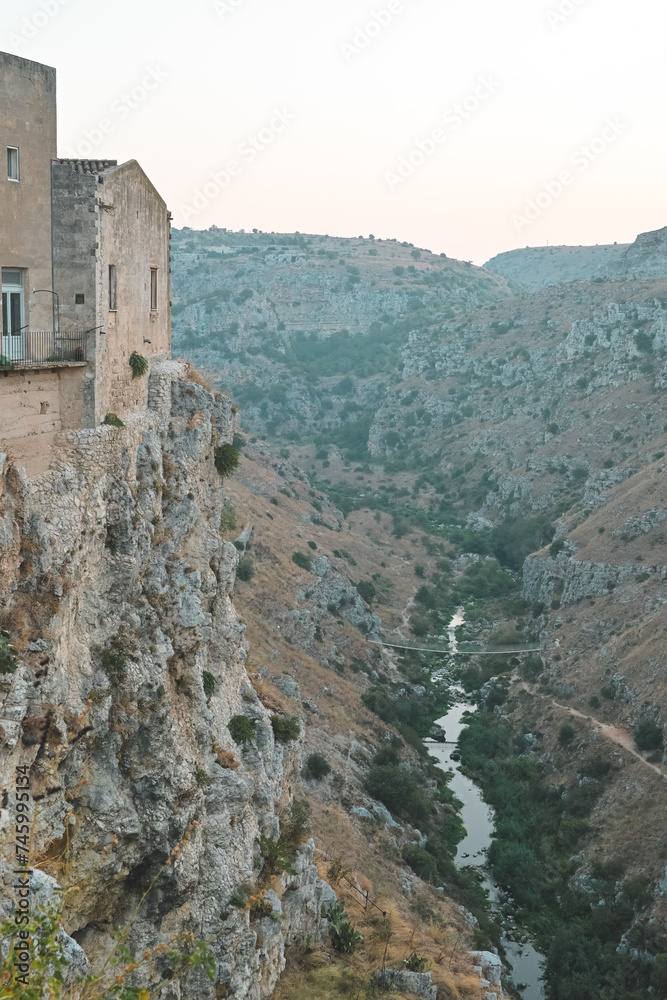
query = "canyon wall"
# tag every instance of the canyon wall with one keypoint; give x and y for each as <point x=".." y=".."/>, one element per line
<point x="115" y="587"/>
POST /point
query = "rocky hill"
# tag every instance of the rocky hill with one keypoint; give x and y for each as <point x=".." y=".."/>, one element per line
<point x="645" y="259"/>
<point x="526" y="435"/>
<point x="537" y="267"/>
<point x="306" y="331"/>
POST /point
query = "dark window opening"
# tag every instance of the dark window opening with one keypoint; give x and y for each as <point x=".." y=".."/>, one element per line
<point x="113" y="288"/>
<point x="153" y="289"/>
<point x="13" y="173"/>
<point x="79" y="299"/>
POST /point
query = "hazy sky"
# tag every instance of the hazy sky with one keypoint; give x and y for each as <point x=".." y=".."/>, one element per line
<point x="464" y="126"/>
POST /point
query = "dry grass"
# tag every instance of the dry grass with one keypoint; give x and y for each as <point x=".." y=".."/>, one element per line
<point x="28" y="616"/>
<point x="226" y="759"/>
<point x="269" y="696"/>
<point x="196" y="376"/>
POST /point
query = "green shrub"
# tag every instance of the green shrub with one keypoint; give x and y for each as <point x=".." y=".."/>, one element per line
<point x="344" y="936"/>
<point x="302" y="561"/>
<point x="8" y="655"/>
<point x="138" y="364"/>
<point x="367" y="591"/>
<point x="113" y="420"/>
<point x="659" y="975"/>
<point x="415" y="962"/>
<point x="226" y="458"/>
<point x="313" y="546"/>
<point x="245" y="570"/>
<point x="316" y="767"/>
<point x="242" y="729"/>
<point x="649" y="736"/>
<point x="202" y="777"/>
<point x="422" y="863"/>
<point x="276" y="858"/>
<point x="296" y="827"/>
<point x="240" y="898"/>
<point x="594" y="702"/>
<point x="114" y="665"/>
<point x="260" y="908"/>
<point x="566" y="735"/>
<point x="228" y="517"/>
<point x="556" y="547"/>
<point x="397" y="790"/>
<point x="209" y="685"/>
<point x="286" y="728"/>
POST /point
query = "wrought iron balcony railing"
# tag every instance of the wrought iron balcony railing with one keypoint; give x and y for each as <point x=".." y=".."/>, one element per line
<point x="36" y="348"/>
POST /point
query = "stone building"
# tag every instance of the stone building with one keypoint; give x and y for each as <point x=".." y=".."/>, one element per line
<point x="84" y="253"/>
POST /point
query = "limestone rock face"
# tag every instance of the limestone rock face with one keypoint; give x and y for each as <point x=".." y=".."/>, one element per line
<point x="646" y="258"/>
<point x="116" y="586"/>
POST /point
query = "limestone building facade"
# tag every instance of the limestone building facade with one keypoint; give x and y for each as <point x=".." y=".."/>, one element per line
<point x="85" y="265"/>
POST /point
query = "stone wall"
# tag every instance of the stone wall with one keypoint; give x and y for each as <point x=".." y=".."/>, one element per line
<point x="28" y="120"/>
<point x="116" y="588"/>
<point x="34" y="406"/>
<point x="134" y="235"/>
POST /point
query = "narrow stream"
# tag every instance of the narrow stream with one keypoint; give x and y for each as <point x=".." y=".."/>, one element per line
<point x="478" y="819"/>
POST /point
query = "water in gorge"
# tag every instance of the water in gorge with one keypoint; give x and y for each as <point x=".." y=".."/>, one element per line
<point x="478" y="819"/>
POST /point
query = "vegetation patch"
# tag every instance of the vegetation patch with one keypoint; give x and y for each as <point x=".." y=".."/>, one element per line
<point x="139" y="365"/>
<point x="286" y="728"/>
<point x="242" y="729"/>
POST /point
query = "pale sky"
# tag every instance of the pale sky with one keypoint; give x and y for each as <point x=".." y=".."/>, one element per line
<point x="432" y="121"/>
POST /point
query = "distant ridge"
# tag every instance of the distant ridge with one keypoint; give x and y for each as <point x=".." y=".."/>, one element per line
<point x="538" y="267"/>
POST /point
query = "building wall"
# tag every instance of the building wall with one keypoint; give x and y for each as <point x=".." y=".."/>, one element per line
<point x="34" y="406"/>
<point x="135" y="232"/>
<point x="28" y="120"/>
<point x="75" y="244"/>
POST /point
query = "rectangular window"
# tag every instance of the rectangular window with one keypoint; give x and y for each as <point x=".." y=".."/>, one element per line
<point x="153" y="289"/>
<point x="113" y="289"/>
<point x="13" y="163"/>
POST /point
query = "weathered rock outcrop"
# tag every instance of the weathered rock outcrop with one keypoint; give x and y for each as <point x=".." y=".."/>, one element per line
<point x="116" y="588"/>
<point x="646" y="259"/>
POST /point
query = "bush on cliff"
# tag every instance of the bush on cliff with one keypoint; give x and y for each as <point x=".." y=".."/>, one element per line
<point x="226" y="458"/>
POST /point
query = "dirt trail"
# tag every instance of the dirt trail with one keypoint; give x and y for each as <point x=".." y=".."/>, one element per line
<point x="622" y="737"/>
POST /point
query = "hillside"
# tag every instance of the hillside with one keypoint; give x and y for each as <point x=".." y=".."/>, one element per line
<point x="306" y="331"/>
<point x="518" y="446"/>
<point x="537" y="267"/>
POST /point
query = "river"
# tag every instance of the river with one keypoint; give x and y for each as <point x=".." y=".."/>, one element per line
<point x="478" y="819"/>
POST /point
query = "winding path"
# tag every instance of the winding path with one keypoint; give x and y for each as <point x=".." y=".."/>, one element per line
<point x="617" y="734"/>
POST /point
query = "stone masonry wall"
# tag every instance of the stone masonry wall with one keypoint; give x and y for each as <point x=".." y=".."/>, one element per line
<point x="35" y="405"/>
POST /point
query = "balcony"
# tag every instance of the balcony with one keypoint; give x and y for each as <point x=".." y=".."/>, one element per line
<point x="43" y="349"/>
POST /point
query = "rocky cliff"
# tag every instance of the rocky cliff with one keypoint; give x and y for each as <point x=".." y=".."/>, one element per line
<point x="115" y="587"/>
